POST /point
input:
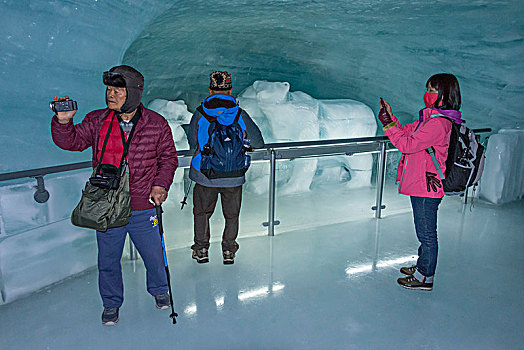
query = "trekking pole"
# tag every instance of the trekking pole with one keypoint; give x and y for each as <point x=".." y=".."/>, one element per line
<point x="187" y="193"/>
<point x="161" y="229"/>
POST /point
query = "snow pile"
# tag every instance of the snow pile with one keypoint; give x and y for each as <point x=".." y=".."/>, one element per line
<point x="177" y="115"/>
<point x="285" y="116"/>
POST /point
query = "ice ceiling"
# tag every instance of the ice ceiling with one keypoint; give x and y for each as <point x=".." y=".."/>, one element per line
<point x="329" y="49"/>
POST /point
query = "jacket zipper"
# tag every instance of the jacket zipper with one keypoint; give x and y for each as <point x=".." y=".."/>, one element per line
<point x="407" y="158"/>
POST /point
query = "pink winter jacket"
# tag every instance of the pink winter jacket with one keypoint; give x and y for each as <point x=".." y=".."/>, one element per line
<point x="152" y="157"/>
<point x="413" y="140"/>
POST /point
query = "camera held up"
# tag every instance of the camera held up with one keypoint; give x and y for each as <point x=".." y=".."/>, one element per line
<point x="63" y="105"/>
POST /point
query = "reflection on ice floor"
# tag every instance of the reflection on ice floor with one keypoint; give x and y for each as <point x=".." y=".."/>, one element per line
<point x="332" y="286"/>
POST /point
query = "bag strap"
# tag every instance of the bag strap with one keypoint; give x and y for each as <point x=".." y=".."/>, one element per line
<point x="126" y="143"/>
<point x="209" y="118"/>
<point x="210" y="130"/>
<point x="237" y="117"/>
<point x="105" y="142"/>
<point x="431" y="152"/>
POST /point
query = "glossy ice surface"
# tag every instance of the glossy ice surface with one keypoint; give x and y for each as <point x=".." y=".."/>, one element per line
<point x="328" y="287"/>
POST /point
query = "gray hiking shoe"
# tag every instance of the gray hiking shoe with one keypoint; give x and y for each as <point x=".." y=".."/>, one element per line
<point x="229" y="257"/>
<point x="410" y="282"/>
<point x="162" y="301"/>
<point x="200" y="255"/>
<point x="408" y="271"/>
<point x="110" y="316"/>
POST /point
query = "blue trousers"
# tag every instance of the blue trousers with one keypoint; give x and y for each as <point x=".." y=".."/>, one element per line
<point x="144" y="232"/>
<point x="425" y="217"/>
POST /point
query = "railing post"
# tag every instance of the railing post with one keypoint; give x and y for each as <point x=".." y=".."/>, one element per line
<point x="133" y="255"/>
<point x="272" y="185"/>
<point x="380" y="180"/>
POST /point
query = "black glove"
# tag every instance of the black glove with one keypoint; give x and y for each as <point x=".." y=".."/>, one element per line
<point x="432" y="182"/>
<point x="383" y="114"/>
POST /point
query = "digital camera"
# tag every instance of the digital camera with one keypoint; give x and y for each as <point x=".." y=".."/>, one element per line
<point x="107" y="176"/>
<point x="63" y="106"/>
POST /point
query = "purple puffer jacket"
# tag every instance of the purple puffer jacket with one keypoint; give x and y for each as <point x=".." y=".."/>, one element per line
<point x="152" y="155"/>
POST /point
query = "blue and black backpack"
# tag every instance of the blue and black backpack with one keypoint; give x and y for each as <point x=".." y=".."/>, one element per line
<point x="465" y="161"/>
<point x="224" y="155"/>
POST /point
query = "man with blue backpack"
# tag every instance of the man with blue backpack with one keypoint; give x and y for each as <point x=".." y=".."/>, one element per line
<point x="221" y="133"/>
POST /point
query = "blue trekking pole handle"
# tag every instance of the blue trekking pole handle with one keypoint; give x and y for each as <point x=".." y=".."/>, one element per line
<point x="168" y="275"/>
<point x="161" y="229"/>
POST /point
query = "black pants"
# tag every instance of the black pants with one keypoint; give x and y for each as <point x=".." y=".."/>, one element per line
<point x="204" y="202"/>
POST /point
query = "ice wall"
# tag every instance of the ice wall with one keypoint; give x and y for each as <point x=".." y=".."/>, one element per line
<point x="502" y="179"/>
<point x="50" y="48"/>
<point x="328" y="49"/>
<point x="343" y="49"/>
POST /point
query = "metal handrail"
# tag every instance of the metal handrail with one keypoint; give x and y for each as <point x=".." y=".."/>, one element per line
<point x="32" y="173"/>
<point x="270" y="152"/>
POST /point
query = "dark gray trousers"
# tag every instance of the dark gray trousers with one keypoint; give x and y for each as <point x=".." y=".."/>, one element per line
<point x="204" y="202"/>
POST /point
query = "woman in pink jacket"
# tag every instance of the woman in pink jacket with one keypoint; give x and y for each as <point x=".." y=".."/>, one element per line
<point x="417" y="176"/>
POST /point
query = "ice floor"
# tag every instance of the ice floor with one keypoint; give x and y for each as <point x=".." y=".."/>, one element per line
<point x="329" y="286"/>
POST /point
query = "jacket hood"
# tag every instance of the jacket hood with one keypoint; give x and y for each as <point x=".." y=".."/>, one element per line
<point x="452" y="114"/>
<point x="216" y="107"/>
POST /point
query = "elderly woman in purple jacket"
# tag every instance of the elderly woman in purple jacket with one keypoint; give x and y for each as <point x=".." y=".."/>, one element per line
<point x="151" y="162"/>
<point x="417" y="176"/>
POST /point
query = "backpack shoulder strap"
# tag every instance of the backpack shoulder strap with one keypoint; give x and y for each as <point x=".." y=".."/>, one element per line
<point x="438" y="115"/>
<point x="237" y="117"/>
<point x="209" y="118"/>
<point x="431" y="152"/>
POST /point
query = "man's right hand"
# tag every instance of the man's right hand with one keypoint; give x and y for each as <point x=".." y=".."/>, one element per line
<point x="64" y="117"/>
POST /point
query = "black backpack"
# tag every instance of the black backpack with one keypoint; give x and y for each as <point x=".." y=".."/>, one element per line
<point x="465" y="161"/>
<point x="224" y="155"/>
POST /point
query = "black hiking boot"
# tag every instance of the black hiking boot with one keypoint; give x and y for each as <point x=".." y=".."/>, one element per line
<point x="200" y="255"/>
<point x="410" y="282"/>
<point x="162" y="301"/>
<point x="229" y="257"/>
<point x="110" y="316"/>
<point x="408" y="271"/>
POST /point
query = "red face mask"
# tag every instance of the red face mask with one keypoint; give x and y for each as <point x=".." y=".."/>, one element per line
<point x="430" y="98"/>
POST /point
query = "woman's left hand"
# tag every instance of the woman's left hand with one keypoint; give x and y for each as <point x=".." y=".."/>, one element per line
<point x="432" y="182"/>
